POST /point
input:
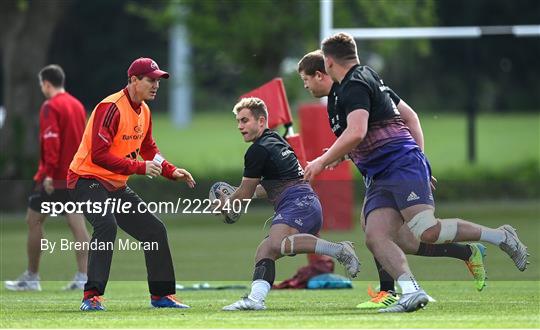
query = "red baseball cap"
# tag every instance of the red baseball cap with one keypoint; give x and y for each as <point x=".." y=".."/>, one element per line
<point x="146" y="67"/>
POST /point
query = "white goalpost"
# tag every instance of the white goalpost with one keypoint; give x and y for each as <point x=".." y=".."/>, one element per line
<point x="450" y="32"/>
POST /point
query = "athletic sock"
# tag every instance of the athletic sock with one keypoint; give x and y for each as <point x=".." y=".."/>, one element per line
<point x="81" y="277"/>
<point x="259" y="290"/>
<point x="452" y="250"/>
<point x="32" y="276"/>
<point x="493" y="236"/>
<point x="327" y="248"/>
<point x="386" y="281"/>
<point x="90" y="293"/>
<point x="408" y="283"/>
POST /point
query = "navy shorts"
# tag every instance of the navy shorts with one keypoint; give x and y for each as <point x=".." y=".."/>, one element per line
<point x="406" y="182"/>
<point x="299" y="208"/>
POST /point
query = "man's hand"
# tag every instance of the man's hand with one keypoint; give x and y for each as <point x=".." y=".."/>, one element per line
<point x="313" y="168"/>
<point x="181" y="174"/>
<point x="333" y="164"/>
<point x="48" y="185"/>
<point x="152" y="169"/>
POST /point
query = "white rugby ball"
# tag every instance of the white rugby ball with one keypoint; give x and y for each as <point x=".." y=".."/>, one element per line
<point x="219" y="189"/>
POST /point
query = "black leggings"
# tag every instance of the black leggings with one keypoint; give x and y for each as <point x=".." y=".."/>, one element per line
<point x="144" y="227"/>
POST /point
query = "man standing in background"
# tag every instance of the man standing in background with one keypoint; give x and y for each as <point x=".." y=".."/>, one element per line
<point x="61" y="124"/>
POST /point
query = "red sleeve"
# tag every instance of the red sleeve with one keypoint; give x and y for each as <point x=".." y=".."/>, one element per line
<point x="149" y="150"/>
<point x="104" y="130"/>
<point x="50" y="137"/>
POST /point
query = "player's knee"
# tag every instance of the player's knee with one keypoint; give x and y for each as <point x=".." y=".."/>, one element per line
<point x="286" y="246"/>
<point x="431" y="234"/>
<point x="289" y="246"/>
<point x="421" y="222"/>
<point x="426" y="228"/>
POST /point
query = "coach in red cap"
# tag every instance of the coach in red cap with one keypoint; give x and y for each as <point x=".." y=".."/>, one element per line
<point x="146" y="67"/>
<point x="118" y="134"/>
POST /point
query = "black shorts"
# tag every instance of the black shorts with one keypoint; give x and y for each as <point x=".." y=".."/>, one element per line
<point x="39" y="196"/>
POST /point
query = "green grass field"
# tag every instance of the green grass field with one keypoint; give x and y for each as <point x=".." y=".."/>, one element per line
<point x="458" y="307"/>
<point x="503" y="140"/>
<point x="206" y="250"/>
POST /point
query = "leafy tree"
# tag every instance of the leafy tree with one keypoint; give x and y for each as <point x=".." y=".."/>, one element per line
<point x="240" y="44"/>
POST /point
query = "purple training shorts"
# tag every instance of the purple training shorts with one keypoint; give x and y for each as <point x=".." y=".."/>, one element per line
<point x="406" y="182"/>
<point x="299" y="207"/>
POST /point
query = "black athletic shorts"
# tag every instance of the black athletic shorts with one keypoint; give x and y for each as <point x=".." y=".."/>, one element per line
<point x="39" y="195"/>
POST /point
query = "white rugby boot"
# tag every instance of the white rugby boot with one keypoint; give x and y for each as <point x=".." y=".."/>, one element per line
<point x="347" y="257"/>
<point x="245" y="304"/>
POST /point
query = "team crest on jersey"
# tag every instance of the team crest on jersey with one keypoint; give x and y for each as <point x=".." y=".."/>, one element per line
<point x="138" y="129"/>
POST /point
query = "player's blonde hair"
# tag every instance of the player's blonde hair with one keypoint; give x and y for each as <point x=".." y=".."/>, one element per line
<point x="254" y="104"/>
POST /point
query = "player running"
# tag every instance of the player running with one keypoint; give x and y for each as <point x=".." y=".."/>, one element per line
<point x="271" y="162"/>
<point x="396" y="172"/>
<point x="311" y="70"/>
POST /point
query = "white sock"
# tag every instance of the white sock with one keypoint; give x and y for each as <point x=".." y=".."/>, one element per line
<point x="493" y="236"/>
<point x="81" y="277"/>
<point x="259" y="290"/>
<point x="327" y="248"/>
<point x="408" y="283"/>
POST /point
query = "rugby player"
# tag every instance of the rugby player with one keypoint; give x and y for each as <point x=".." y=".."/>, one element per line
<point x="396" y="172"/>
<point x="319" y="84"/>
<point x="272" y="170"/>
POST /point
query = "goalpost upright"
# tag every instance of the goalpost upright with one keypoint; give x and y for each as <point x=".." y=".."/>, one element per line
<point x="438" y="32"/>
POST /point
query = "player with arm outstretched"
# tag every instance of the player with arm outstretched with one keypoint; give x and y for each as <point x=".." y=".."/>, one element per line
<point x="320" y="84"/>
<point x="396" y="172"/>
<point x="271" y="164"/>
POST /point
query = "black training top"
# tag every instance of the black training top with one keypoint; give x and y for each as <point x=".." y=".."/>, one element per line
<point x="387" y="137"/>
<point x="272" y="159"/>
<point x="374" y="96"/>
